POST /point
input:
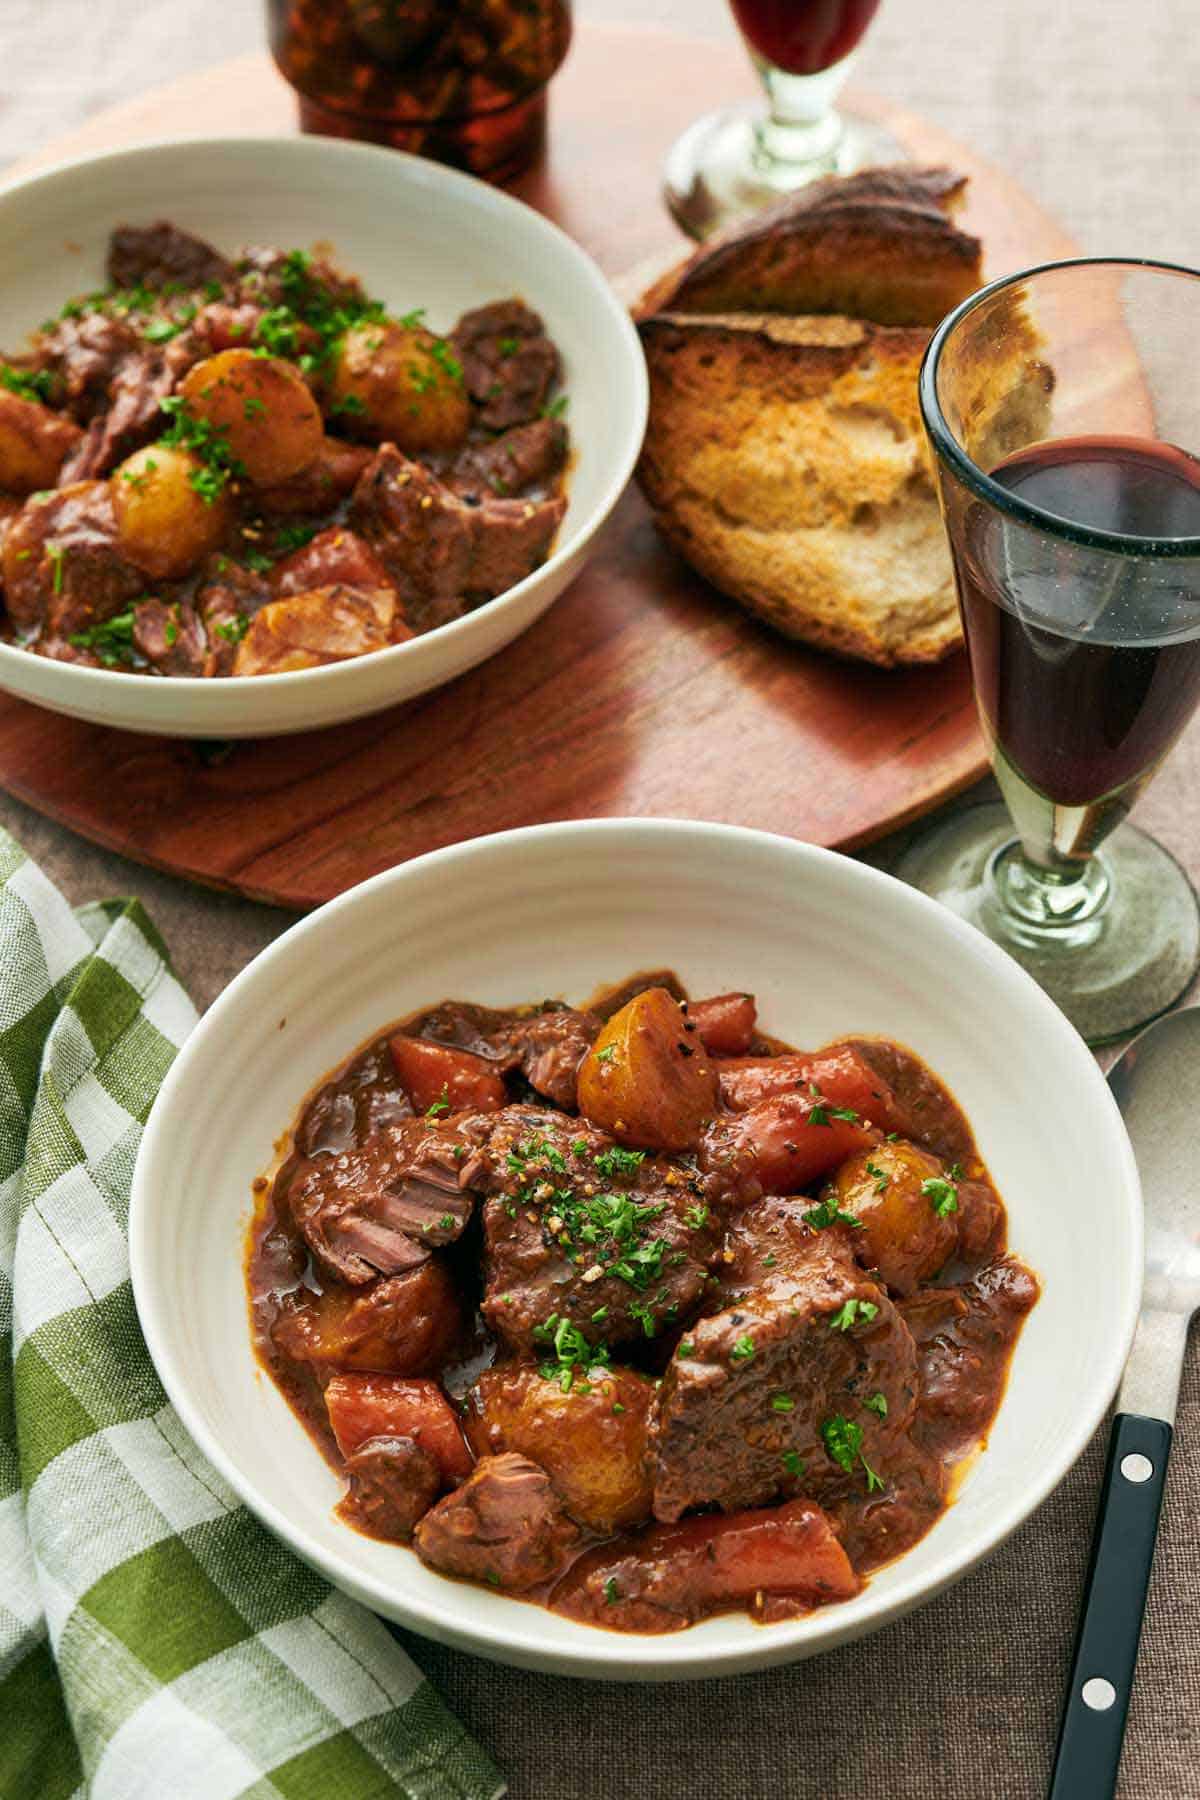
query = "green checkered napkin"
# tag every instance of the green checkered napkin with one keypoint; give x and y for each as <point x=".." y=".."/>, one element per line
<point x="154" y="1641"/>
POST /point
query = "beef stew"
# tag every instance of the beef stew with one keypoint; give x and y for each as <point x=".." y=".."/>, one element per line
<point x="233" y="467"/>
<point x="632" y="1310"/>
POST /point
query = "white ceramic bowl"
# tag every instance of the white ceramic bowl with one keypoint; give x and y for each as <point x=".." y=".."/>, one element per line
<point x="418" y="235"/>
<point x="829" y="946"/>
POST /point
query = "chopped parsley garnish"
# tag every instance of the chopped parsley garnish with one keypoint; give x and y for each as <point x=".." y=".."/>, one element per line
<point x="611" y="1591"/>
<point x="535" y="1150"/>
<point x="782" y="1403"/>
<point x="158" y="331"/>
<point x="848" y="1314"/>
<point x="843" y="1442"/>
<point x="606" y="1055"/>
<point x="349" y="403"/>
<point x="942" y="1194"/>
<point x="955" y="1171"/>
<point x="440" y="1105"/>
<point x="880" y="1176"/>
<point x="617" y="1407"/>
<point x="616" y="1161"/>
<point x="794" y="1463"/>
<point x="446" y="1222"/>
<point x="29" y="384"/>
<point x="508" y="346"/>
<point x="411" y="320"/>
<point x="253" y="407"/>
<point x="842" y="1439"/>
<point x="311" y="312"/>
<point x="294" y="537"/>
<point x="112" y="641"/>
<point x="571" y="1351"/>
<point x="877" y="1403"/>
<point x="696" y="1217"/>
<point x="828" y="1212"/>
<point x="645" y="1316"/>
<point x="233" y="630"/>
<point x="258" y="561"/>
<point x="556" y="408"/>
<point x="207" y="443"/>
<point x="685" y="1348"/>
<point x="743" y="1350"/>
<point x="600" y="1313"/>
<point x="58" y="555"/>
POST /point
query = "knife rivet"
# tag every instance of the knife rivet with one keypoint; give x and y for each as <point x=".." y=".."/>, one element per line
<point x="1136" y="1467"/>
<point x="1098" y="1693"/>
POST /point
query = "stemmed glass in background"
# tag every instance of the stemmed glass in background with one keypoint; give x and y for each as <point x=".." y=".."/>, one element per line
<point x="1063" y="407"/>
<point x="743" y="158"/>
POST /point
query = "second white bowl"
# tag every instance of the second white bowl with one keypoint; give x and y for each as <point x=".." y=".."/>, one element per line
<point x="419" y="235"/>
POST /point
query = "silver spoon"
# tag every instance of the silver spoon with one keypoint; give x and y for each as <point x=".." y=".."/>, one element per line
<point x="1156" y="1084"/>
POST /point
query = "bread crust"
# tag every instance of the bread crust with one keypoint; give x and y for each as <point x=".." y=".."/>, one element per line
<point x="880" y="245"/>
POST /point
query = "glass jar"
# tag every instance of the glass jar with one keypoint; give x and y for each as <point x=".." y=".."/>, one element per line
<point x="462" y="81"/>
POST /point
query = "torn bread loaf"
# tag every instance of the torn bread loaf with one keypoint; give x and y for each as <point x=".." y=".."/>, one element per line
<point x="785" y="456"/>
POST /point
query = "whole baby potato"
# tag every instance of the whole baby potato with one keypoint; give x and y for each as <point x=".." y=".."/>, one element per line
<point x="647" y="1078"/>
<point x="264" y="409"/>
<point x="398" y="383"/>
<point x="895" y="1191"/>
<point x="591" y="1440"/>
<point x="164" y="525"/>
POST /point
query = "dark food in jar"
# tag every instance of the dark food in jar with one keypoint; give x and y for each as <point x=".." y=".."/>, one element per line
<point x="464" y="83"/>
<point x="633" y="1311"/>
<point x="233" y="467"/>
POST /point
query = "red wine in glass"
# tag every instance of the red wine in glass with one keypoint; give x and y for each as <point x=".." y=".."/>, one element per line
<point x="1085" y="684"/>
<point x="802" y="37"/>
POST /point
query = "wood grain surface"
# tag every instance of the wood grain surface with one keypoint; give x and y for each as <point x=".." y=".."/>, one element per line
<point x="641" y="692"/>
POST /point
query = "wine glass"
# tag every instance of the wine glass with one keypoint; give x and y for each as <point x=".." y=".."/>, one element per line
<point x="1063" y="408"/>
<point x="743" y="158"/>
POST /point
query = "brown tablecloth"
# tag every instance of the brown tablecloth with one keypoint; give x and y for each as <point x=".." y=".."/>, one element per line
<point x="1093" y="108"/>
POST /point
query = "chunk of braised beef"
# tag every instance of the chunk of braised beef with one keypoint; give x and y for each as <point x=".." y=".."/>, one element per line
<point x="504" y="1526"/>
<point x="549" y="1047"/>
<point x="381" y="1206"/>
<point x="442" y="554"/>
<point x="63" y="572"/>
<point x="83" y="352"/>
<point x="528" y="456"/>
<point x="322" y="486"/>
<point x="392" y="1483"/>
<point x="768" y="1398"/>
<point x="228" y="598"/>
<point x="959" y="1330"/>
<point x="170" y="637"/>
<point x="509" y="363"/>
<point x="139" y="382"/>
<point x="579" y="1233"/>
<point x="334" y="555"/>
<point x="269" y="276"/>
<point x="160" y="255"/>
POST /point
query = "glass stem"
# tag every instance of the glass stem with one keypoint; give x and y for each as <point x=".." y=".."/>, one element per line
<point x="1048" y="899"/>
<point x="802" y="127"/>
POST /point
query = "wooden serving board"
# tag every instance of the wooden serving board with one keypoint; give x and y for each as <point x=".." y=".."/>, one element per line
<point x="641" y="692"/>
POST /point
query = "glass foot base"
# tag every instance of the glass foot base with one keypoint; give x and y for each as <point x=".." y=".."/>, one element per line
<point x="1124" y="965"/>
<point x="714" y="173"/>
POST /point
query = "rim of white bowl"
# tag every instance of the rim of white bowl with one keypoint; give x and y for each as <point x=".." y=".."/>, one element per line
<point x="628" y="1654"/>
<point x="435" y="176"/>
